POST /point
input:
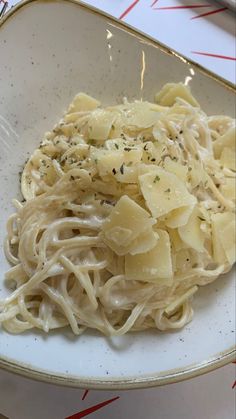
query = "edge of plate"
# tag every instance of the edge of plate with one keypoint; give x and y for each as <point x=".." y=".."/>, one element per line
<point x="167" y="377"/>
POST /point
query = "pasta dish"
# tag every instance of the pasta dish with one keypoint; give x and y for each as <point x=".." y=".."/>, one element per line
<point x="127" y="211"/>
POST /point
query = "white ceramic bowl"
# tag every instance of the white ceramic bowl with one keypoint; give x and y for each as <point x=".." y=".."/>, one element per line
<point x="48" y="52"/>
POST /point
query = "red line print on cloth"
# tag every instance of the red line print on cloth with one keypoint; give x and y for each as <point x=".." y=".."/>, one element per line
<point x="126" y="12"/>
<point x="207" y="54"/>
<point x="92" y="409"/>
<point x="85" y="394"/>
<point x="234" y="384"/>
<point x="210" y="13"/>
<point x="192" y="6"/>
<point x="4" y="7"/>
<point x="153" y="3"/>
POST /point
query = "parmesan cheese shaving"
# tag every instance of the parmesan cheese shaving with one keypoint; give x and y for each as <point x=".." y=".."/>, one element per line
<point x="154" y="265"/>
<point x="164" y="192"/>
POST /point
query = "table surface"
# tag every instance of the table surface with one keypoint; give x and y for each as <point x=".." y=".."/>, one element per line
<point x="204" y="31"/>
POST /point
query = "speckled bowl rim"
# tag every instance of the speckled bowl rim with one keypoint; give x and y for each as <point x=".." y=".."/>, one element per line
<point x="143" y="381"/>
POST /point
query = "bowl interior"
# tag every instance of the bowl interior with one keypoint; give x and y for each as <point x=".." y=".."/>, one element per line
<point x="49" y="52"/>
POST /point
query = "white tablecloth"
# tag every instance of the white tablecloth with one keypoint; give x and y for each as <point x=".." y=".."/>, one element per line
<point x="205" y="34"/>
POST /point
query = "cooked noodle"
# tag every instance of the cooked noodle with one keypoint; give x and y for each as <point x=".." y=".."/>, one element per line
<point x="127" y="210"/>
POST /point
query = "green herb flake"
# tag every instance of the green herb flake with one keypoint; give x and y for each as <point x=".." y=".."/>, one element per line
<point x="156" y="179"/>
<point x="122" y="169"/>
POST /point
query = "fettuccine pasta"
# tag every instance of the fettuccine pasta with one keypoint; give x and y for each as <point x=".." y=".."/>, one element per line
<point x="127" y="211"/>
